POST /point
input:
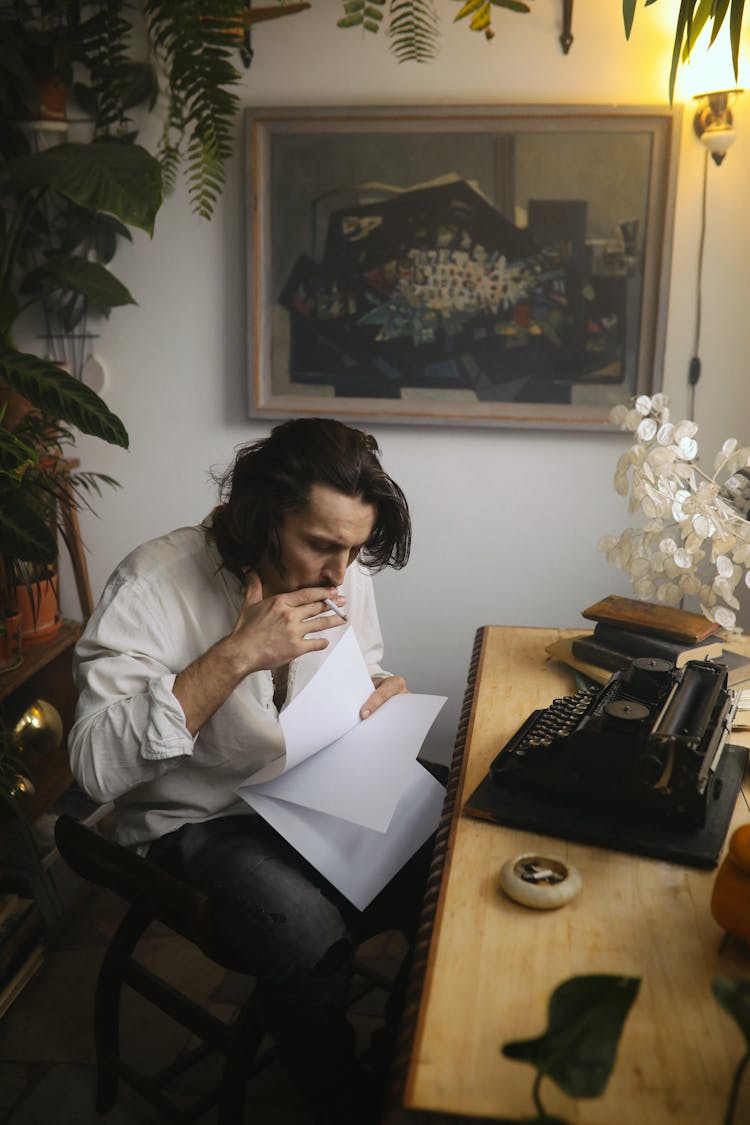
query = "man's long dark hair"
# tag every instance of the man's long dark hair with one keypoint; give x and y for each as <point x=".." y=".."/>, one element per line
<point x="273" y="476"/>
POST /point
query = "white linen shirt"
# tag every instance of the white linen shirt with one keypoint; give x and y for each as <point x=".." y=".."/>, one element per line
<point x="163" y="607"/>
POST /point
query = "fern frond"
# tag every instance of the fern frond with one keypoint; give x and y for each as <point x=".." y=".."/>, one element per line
<point x="413" y="30"/>
<point x="195" y="41"/>
<point x="366" y="14"/>
<point x="115" y="82"/>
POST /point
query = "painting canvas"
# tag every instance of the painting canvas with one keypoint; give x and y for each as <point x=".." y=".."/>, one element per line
<point x="468" y="266"/>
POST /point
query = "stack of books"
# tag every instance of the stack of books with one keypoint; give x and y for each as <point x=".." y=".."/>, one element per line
<point x="626" y="629"/>
<point x="22" y="937"/>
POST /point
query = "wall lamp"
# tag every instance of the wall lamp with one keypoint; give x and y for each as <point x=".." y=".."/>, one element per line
<point x="713" y="122"/>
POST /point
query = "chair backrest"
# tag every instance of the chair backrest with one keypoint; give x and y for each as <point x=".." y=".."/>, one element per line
<point x="134" y="879"/>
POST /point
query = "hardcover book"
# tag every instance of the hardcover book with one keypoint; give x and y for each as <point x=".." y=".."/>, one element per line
<point x="631" y="644"/>
<point x="656" y="620"/>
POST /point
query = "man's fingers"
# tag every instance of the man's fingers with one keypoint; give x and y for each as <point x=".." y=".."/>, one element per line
<point x="390" y="685"/>
<point x="309" y="594"/>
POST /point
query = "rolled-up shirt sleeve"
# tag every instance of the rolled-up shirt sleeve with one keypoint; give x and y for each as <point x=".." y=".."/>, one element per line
<point x="129" y="726"/>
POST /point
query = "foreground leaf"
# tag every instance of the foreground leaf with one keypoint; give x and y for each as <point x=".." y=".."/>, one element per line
<point x="586" y="1016"/>
<point x="734" y="997"/>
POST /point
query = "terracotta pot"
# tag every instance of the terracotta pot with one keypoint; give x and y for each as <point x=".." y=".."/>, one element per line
<point x="16" y="406"/>
<point x="39" y="610"/>
<point x="10" y="641"/>
<point x="53" y="97"/>
<point x="730" y="898"/>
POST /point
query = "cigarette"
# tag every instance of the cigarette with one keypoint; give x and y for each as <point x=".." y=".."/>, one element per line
<point x="332" y="605"/>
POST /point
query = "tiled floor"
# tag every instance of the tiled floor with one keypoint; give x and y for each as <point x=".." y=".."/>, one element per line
<point x="47" y="1070"/>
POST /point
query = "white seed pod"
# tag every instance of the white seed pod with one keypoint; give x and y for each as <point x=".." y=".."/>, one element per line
<point x="688" y="448"/>
<point x="724" y="566"/>
<point x="647" y="429"/>
<point x="684" y="429"/>
<point x="724" y="617"/>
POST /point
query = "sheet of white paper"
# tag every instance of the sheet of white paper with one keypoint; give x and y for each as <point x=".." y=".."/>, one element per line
<point x="356" y="860"/>
<point x="361" y="776"/>
<point x="327" y="707"/>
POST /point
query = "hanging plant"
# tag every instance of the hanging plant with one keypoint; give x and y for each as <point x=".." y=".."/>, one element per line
<point x="692" y="17"/>
<point x="413" y="26"/>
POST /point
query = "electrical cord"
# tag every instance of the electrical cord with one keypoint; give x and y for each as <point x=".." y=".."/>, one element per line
<point x="694" y="370"/>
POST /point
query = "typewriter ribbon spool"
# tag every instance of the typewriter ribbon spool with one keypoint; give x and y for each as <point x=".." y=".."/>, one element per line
<point x="539" y="881"/>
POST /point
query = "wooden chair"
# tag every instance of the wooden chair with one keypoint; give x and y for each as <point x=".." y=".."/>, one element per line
<point x="156" y="895"/>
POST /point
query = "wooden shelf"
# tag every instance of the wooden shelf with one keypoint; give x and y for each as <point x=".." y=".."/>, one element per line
<point x="38" y="656"/>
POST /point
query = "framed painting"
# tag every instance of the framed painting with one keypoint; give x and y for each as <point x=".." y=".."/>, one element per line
<point x="460" y="266"/>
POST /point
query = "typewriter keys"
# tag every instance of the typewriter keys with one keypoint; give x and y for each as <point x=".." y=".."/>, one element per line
<point x="541" y="882"/>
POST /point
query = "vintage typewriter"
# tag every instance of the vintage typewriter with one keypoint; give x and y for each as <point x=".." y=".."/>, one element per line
<point x="649" y="742"/>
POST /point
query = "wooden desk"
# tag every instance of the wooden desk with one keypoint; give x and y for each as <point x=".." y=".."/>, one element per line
<point x="485" y="966"/>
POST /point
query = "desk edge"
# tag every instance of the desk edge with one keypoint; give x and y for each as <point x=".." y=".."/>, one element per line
<point x="432" y="903"/>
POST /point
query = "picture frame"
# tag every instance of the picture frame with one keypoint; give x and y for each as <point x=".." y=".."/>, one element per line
<point x="467" y="265"/>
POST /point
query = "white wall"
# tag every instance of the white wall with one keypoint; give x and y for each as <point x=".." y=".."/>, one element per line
<point x="506" y="521"/>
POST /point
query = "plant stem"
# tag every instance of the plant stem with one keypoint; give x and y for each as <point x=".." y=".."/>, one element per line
<point x="736" y="1088"/>
<point x="535" y="1094"/>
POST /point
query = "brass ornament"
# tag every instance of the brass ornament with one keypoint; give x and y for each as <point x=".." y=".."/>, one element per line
<point x="39" y="728"/>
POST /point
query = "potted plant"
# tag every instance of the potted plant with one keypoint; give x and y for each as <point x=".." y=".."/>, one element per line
<point x="61" y="211"/>
<point x="88" y="51"/>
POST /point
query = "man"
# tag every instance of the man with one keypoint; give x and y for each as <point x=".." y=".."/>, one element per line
<point x="199" y="639"/>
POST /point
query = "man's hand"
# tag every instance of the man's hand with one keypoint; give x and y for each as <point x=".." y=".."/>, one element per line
<point x="272" y="631"/>
<point x="385" y="687"/>
<point x="269" y="632"/>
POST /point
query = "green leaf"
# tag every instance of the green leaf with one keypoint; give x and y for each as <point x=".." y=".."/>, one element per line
<point x="586" y="1016"/>
<point x="58" y="394"/>
<point x="735" y="30"/>
<point x="90" y="279"/>
<point x="24" y="534"/>
<point x="734" y="997"/>
<point x="697" y="23"/>
<point x="121" y="179"/>
<point x="686" y="7"/>
<point x="628" y="14"/>
<point x="15" y="455"/>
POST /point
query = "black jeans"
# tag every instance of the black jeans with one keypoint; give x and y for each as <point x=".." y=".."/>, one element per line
<point x="281" y="922"/>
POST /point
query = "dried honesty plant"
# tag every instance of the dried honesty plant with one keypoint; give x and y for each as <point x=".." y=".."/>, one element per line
<point x="695" y="541"/>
